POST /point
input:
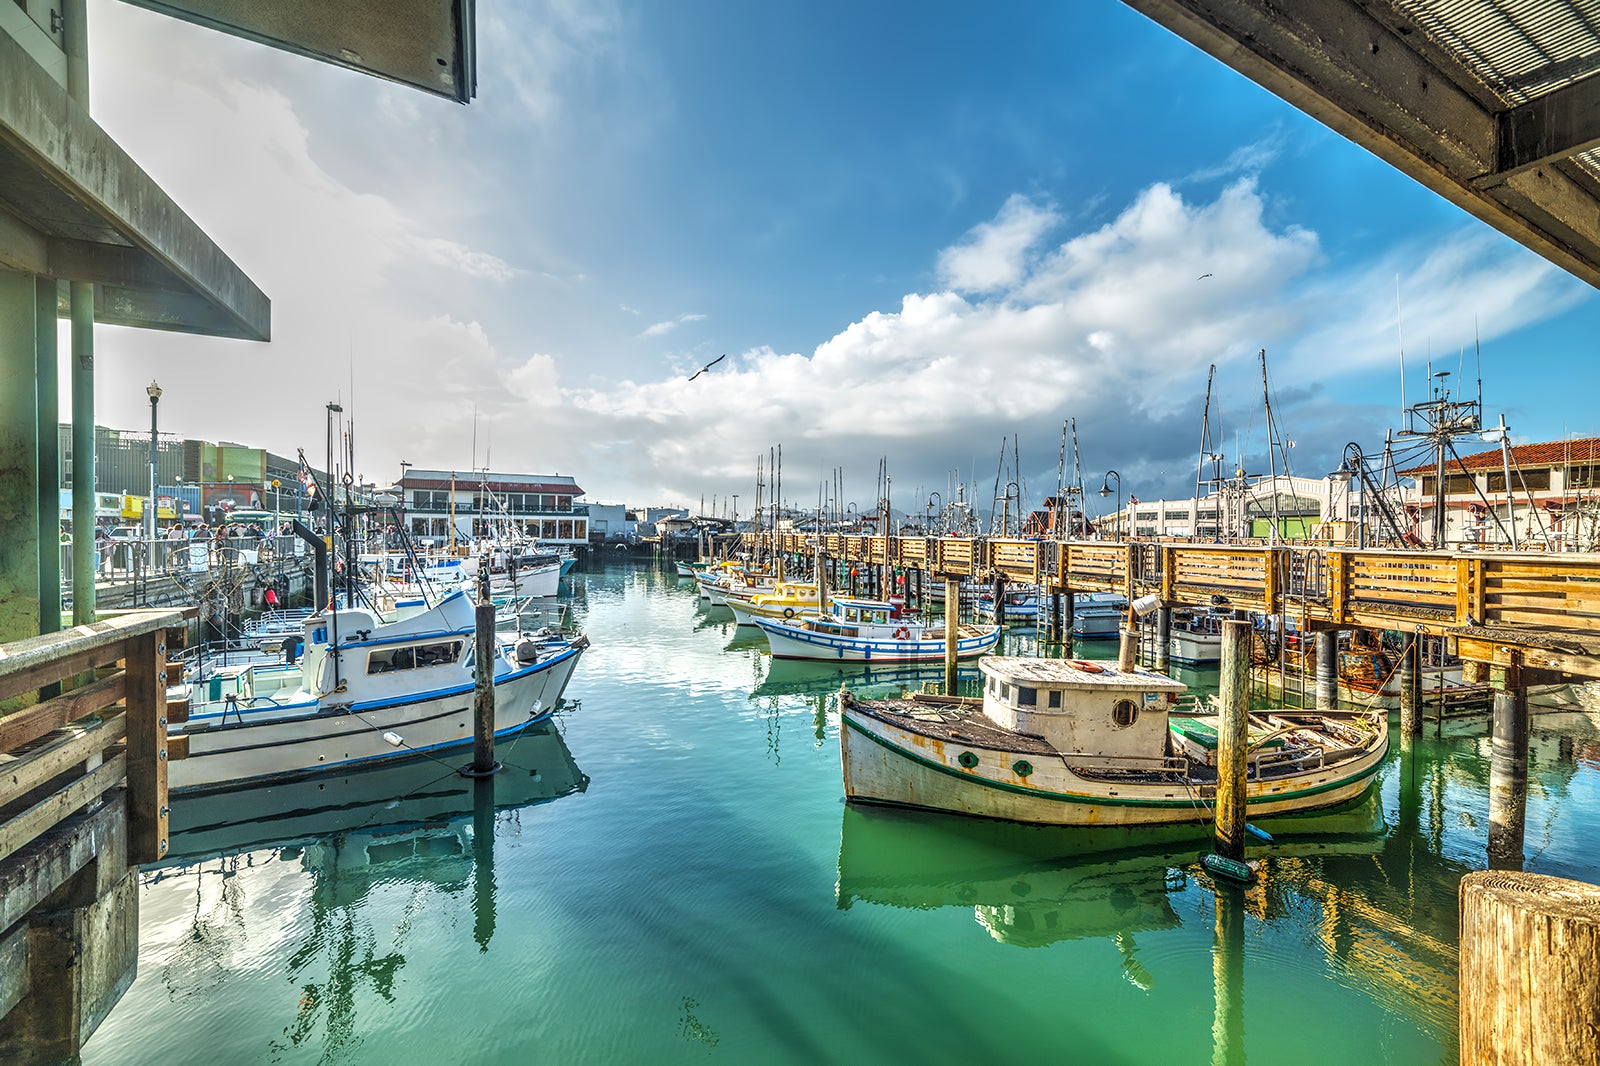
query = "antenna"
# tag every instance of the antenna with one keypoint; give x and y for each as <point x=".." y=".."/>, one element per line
<point x="1400" y="332"/>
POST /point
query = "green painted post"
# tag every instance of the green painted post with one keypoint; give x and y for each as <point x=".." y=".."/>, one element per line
<point x="47" y="405"/>
<point x="19" y="460"/>
<point x="83" y="569"/>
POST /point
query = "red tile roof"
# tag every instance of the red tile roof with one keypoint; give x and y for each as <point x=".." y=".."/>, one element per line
<point x="1583" y="450"/>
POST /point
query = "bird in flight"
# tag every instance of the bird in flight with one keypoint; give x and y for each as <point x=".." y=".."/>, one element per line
<point x="1202" y="277"/>
<point x="708" y="366"/>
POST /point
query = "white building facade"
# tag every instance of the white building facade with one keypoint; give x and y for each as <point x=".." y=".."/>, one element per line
<point x="545" y="507"/>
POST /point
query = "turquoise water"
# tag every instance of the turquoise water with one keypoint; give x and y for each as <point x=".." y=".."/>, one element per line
<point x="668" y="873"/>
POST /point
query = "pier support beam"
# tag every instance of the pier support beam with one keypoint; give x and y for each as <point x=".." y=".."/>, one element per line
<point x="999" y="593"/>
<point x="1529" y="986"/>
<point x="1055" y="617"/>
<point x="1410" y="693"/>
<point x="1233" y="740"/>
<point x="19" y="458"/>
<point x="1163" y="656"/>
<point x="1068" y="606"/>
<point x="1508" y="769"/>
<point x="1327" y="670"/>
<point x="83" y="544"/>
<point x="48" y="463"/>
<point x="952" y="631"/>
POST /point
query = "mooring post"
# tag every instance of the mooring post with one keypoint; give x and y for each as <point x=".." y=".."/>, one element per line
<point x="999" y="592"/>
<point x="1410" y="694"/>
<point x="1055" y="616"/>
<point x="1163" y="649"/>
<point x="952" y="631"/>
<point x="822" y="584"/>
<point x="1508" y="769"/>
<point x="1233" y="729"/>
<point x="483" y="678"/>
<point x="1327" y="669"/>
<point x="1068" y="607"/>
<point x="1528" y="981"/>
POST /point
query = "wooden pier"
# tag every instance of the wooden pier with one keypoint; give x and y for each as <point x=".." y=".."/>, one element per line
<point x="83" y="801"/>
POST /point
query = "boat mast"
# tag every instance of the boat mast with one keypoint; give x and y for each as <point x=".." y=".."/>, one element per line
<point x="1205" y="451"/>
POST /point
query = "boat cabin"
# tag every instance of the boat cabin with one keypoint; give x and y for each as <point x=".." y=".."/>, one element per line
<point x="1081" y="707"/>
<point x="865" y="612"/>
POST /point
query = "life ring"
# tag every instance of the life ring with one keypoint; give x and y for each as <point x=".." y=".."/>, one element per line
<point x="788" y="612"/>
<point x="902" y="633"/>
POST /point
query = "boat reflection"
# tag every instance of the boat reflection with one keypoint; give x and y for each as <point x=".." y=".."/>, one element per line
<point x="1035" y="885"/>
<point x="806" y="677"/>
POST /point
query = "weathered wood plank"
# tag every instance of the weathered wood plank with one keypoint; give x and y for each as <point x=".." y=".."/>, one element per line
<point x="50" y="649"/>
<point x="33" y="768"/>
<point x="147" y="748"/>
<point x="26" y="726"/>
<point x="38" y="818"/>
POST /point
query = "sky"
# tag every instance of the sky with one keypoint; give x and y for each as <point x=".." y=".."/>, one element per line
<point x="916" y="231"/>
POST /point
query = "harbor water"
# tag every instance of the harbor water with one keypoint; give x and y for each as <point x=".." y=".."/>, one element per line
<point x="668" y="873"/>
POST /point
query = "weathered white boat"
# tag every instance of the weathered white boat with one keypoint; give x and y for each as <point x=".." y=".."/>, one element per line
<point x="1098" y="614"/>
<point x="1060" y="742"/>
<point x="1195" y="637"/>
<point x="870" y="631"/>
<point x="368" y="689"/>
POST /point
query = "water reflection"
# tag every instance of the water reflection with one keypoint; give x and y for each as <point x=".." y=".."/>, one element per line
<point x="804" y="677"/>
<point x="417" y="826"/>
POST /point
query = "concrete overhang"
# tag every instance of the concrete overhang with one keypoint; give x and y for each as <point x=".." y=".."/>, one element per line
<point x="426" y="44"/>
<point x="75" y="206"/>
<point x="1494" y="106"/>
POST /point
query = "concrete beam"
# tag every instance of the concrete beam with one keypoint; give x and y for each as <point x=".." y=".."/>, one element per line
<point x="1554" y="126"/>
<point x="62" y="176"/>
<point x="1364" y="71"/>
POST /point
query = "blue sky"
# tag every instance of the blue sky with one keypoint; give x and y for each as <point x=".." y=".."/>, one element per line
<point x="913" y="228"/>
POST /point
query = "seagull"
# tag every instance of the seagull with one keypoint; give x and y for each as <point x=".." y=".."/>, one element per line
<point x="1202" y="277"/>
<point x="708" y="366"/>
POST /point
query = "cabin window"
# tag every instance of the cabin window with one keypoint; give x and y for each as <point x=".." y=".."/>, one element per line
<point x="1055" y="697"/>
<point x="1027" y="697"/>
<point x="1005" y="690"/>
<point x="413" y="656"/>
<point x="1124" y="713"/>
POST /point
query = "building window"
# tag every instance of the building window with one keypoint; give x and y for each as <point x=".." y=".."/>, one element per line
<point x="580" y="529"/>
<point x="549" y="531"/>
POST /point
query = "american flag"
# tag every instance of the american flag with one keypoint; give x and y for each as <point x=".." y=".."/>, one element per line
<point x="1133" y="499"/>
<point x="307" y="478"/>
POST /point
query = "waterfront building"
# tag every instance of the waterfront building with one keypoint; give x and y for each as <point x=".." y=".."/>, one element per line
<point x="545" y="507"/>
<point x="1325" y="509"/>
<point x="1544" y="495"/>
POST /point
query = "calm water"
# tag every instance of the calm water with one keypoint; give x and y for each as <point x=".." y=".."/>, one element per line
<point x="669" y="874"/>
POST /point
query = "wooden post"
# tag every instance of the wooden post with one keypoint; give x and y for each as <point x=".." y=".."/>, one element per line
<point x="1127" y="646"/>
<point x="1327" y="670"/>
<point x="1233" y="740"/>
<point x="1163" y="649"/>
<point x="147" y="747"/>
<point x="1068" y="607"/>
<point x="999" y="593"/>
<point x="1410" y="694"/>
<point x="1055" y="617"/>
<point x="1508" y="770"/>
<point x="822" y="584"/>
<point x="1530" y="991"/>
<point x="952" y="631"/>
<point x="483" y="684"/>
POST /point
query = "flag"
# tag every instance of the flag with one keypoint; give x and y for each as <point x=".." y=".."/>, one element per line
<point x="307" y="478"/>
<point x="1133" y="500"/>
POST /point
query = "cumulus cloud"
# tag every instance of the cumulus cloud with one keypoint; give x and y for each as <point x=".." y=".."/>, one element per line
<point x="994" y="255"/>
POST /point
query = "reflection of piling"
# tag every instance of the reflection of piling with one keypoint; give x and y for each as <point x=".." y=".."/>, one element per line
<point x="1327" y="670"/>
<point x="483" y="890"/>
<point x="1529" y="986"/>
<point x="952" y="631"/>
<point x="1410" y="693"/>
<point x="1227" y="978"/>
<point x="1508" y="770"/>
<point x="1232" y="739"/>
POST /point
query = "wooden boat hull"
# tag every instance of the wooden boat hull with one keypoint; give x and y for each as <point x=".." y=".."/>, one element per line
<point x="265" y="743"/>
<point x="884" y="763"/>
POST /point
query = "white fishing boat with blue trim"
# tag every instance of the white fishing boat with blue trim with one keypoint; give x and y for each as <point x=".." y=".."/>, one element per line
<point x="369" y="688"/>
<point x="1097" y="615"/>
<point x="870" y="631"/>
<point x="1062" y="742"/>
<point x="1019" y="604"/>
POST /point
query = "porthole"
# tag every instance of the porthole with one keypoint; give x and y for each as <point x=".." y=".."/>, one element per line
<point x="1022" y="767"/>
<point x="1124" y="713"/>
<point x="967" y="760"/>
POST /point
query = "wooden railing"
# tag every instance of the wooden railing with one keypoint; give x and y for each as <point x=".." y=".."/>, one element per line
<point x="1440" y="592"/>
<point x="65" y="753"/>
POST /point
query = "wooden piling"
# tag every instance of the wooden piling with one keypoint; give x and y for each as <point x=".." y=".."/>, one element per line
<point x="952" y="631"/>
<point x="1068" y="606"/>
<point x="1410" y="693"/>
<point x="1055" y="617"/>
<point x="999" y="593"/>
<point x="1163" y="648"/>
<point x="1508" y="769"/>
<point x="483" y="686"/>
<point x="1327" y="670"/>
<point x="1233" y="739"/>
<point x="1530" y="991"/>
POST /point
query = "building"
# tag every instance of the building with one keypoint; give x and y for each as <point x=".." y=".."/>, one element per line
<point x="1531" y="495"/>
<point x="543" y="506"/>
<point x="1323" y="509"/>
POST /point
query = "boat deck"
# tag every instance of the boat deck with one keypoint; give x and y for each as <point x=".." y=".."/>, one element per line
<point x="945" y="721"/>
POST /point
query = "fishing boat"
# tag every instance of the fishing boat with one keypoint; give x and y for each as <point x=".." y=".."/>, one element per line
<point x="1019" y="604"/>
<point x="1064" y="742"/>
<point x="1098" y="614"/>
<point x="871" y="631"/>
<point x="369" y="688"/>
<point x="1195" y="637"/>
<point x="786" y="599"/>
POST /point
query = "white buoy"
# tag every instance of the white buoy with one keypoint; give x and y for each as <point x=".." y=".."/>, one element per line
<point x="394" y="739"/>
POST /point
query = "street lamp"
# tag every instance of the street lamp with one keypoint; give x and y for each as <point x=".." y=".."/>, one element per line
<point x="933" y="510"/>
<point x="1105" y="490"/>
<point x="154" y="392"/>
<point x="1350" y="466"/>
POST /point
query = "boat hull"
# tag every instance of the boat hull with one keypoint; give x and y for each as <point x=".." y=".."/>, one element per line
<point x="796" y="642"/>
<point x="273" y="743"/>
<point x="883" y="763"/>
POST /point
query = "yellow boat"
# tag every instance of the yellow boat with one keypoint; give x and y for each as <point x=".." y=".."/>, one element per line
<point x="787" y="599"/>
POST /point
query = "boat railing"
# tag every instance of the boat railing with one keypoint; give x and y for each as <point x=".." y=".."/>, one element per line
<point x="1265" y="763"/>
<point x="1159" y="764"/>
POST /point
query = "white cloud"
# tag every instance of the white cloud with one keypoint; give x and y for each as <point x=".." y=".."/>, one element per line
<point x="662" y="328"/>
<point x="994" y="254"/>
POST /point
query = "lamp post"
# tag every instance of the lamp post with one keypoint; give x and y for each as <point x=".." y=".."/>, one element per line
<point x="405" y="471"/>
<point x="154" y="392"/>
<point x="932" y="510"/>
<point x="1350" y="466"/>
<point x="1105" y="490"/>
